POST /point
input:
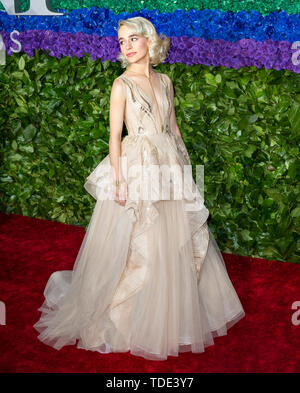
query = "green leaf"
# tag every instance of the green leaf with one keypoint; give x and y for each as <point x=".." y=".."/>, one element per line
<point x="229" y="93"/>
<point x="246" y="235"/>
<point x="27" y="148"/>
<point x="29" y="132"/>
<point x="17" y="75"/>
<point x="67" y="148"/>
<point x="296" y="212"/>
<point x="250" y="150"/>
<point x="210" y="79"/>
<point x="16" y="157"/>
<point x="294" y="118"/>
<point x="253" y="118"/>
<point x="218" y="78"/>
<point x="20" y="101"/>
<point x="21" y="64"/>
<point x="268" y="202"/>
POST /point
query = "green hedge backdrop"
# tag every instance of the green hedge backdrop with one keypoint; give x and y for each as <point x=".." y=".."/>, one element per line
<point x="242" y="125"/>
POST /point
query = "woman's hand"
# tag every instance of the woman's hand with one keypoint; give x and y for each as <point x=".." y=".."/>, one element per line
<point x="121" y="192"/>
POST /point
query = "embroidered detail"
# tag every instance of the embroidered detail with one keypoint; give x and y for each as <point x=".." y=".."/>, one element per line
<point x="146" y="105"/>
<point x="167" y="94"/>
<point x="182" y="148"/>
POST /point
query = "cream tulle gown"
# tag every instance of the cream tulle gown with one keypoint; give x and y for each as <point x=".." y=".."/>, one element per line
<point x="149" y="277"/>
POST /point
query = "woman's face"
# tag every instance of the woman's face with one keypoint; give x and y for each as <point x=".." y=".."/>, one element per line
<point x="132" y="43"/>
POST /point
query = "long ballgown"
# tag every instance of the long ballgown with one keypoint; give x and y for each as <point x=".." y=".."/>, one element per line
<point x="149" y="277"/>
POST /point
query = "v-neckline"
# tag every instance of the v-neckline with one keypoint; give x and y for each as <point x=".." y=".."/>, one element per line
<point x="143" y="91"/>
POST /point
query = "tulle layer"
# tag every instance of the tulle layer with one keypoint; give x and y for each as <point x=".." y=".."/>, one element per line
<point x="147" y="301"/>
<point x="149" y="277"/>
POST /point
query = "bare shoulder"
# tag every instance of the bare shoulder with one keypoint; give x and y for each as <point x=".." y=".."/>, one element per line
<point x="117" y="83"/>
<point x="117" y="87"/>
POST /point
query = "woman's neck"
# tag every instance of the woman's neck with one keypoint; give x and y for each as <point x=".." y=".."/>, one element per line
<point x="141" y="71"/>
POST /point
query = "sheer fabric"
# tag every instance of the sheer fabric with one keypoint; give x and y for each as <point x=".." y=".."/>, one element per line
<point x="149" y="277"/>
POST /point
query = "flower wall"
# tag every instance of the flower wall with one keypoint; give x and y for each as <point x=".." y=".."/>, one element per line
<point x="235" y="68"/>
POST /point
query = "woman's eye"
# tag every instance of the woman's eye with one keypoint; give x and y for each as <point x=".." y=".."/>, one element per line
<point x="133" y="38"/>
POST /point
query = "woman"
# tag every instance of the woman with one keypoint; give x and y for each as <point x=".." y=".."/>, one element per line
<point x="149" y="277"/>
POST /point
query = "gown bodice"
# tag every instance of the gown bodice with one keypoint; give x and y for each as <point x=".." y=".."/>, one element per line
<point x="141" y="113"/>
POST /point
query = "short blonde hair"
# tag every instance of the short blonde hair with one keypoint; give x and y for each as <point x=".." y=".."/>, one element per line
<point x="158" y="50"/>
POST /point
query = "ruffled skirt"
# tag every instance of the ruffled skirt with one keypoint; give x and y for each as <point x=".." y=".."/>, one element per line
<point x="149" y="277"/>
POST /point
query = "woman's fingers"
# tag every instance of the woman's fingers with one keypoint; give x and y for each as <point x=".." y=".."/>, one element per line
<point x="121" y="194"/>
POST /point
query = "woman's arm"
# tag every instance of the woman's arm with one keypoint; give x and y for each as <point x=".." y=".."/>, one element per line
<point x="116" y="118"/>
<point x="173" y="122"/>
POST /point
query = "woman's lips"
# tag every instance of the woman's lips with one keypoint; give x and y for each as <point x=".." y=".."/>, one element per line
<point x="131" y="54"/>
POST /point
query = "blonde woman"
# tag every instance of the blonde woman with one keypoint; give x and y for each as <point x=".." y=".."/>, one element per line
<point x="149" y="277"/>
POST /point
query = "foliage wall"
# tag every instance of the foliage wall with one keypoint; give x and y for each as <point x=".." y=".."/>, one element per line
<point x="237" y="101"/>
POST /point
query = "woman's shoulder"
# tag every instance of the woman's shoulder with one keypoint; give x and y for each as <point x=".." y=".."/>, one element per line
<point x="120" y="80"/>
<point x="118" y="86"/>
<point x="117" y="79"/>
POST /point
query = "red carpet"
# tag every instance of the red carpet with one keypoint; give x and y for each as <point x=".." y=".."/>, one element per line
<point x="265" y="340"/>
